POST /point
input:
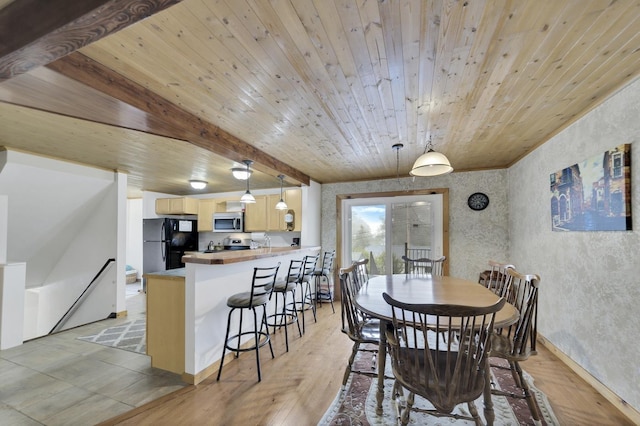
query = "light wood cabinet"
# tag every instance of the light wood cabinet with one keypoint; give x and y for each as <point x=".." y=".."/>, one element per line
<point x="275" y="217"/>
<point x="263" y="216"/>
<point x="166" y="322"/>
<point x="179" y="205"/>
<point x="255" y="215"/>
<point x="206" y="208"/>
<point x="293" y="198"/>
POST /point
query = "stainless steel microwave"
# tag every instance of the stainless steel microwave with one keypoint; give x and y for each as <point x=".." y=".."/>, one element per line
<point x="228" y="222"/>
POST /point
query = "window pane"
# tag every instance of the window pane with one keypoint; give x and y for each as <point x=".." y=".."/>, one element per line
<point x="412" y="225"/>
<point x="368" y="236"/>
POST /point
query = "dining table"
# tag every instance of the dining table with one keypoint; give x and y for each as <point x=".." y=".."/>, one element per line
<point x="427" y="289"/>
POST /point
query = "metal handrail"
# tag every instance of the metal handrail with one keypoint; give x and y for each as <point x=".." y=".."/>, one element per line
<point x="76" y="303"/>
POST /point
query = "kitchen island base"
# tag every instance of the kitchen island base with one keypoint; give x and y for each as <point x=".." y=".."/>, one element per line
<point x="209" y="279"/>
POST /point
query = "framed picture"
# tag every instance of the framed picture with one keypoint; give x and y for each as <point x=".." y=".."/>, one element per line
<point x="594" y="195"/>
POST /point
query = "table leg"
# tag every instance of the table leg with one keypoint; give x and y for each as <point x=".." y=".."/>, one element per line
<point x="489" y="414"/>
<point x="382" y="361"/>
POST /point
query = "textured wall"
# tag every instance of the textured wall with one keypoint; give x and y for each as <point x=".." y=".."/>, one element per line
<point x="475" y="237"/>
<point x="589" y="280"/>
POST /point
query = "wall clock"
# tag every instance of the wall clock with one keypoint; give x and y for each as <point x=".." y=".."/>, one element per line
<point x="478" y="201"/>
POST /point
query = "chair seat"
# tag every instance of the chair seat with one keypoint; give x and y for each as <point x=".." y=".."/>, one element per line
<point x="320" y="272"/>
<point x="369" y="330"/>
<point x="242" y="300"/>
<point x="282" y="286"/>
<point x="502" y="346"/>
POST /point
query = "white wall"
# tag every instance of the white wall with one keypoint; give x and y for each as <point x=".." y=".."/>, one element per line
<point x="590" y="291"/>
<point x="4" y="214"/>
<point x="134" y="234"/>
<point x="474" y="237"/>
<point x="311" y="217"/>
<point x="63" y="222"/>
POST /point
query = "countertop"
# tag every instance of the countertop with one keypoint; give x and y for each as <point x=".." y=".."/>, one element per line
<point x="234" y="256"/>
<point x="177" y="273"/>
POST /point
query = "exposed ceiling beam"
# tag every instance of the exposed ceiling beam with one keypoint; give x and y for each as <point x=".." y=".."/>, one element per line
<point x="36" y="32"/>
<point x="186" y="125"/>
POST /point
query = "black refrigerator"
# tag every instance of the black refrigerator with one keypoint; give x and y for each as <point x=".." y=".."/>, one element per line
<point x="165" y="241"/>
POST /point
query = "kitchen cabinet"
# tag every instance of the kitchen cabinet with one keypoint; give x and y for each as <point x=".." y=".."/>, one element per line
<point x="166" y="320"/>
<point x="293" y="198"/>
<point x="206" y="208"/>
<point x="180" y="205"/>
<point x="255" y="215"/>
<point x="263" y="216"/>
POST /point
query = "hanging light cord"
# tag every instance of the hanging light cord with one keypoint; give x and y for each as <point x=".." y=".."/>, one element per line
<point x="397" y="147"/>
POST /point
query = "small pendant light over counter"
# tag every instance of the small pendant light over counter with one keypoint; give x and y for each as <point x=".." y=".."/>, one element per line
<point x="248" y="197"/>
<point x="431" y="163"/>
<point x="281" y="204"/>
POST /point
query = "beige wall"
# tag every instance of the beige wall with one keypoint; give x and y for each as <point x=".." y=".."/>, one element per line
<point x="590" y="288"/>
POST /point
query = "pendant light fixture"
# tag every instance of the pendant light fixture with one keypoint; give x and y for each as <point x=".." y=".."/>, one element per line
<point x="281" y="204"/>
<point x="431" y="163"/>
<point x="247" y="197"/>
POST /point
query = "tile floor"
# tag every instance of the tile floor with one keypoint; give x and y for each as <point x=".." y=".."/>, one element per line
<point x="60" y="380"/>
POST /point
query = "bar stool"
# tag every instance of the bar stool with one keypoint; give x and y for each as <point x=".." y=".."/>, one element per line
<point x="325" y="272"/>
<point x="261" y="287"/>
<point x="283" y="287"/>
<point x="304" y="281"/>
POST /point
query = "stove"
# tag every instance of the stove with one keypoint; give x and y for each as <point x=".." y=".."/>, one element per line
<point x="236" y="244"/>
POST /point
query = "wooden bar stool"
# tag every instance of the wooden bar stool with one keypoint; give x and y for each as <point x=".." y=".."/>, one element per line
<point x="261" y="288"/>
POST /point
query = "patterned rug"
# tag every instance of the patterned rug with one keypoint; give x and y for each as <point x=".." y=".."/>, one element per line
<point x="356" y="404"/>
<point x="130" y="336"/>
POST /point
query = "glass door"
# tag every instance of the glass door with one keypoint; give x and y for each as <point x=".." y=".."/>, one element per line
<point x="384" y="229"/>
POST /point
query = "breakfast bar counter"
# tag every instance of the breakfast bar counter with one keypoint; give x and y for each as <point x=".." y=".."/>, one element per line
<point x="234" y="256"/>
<point x="195" y="310"/>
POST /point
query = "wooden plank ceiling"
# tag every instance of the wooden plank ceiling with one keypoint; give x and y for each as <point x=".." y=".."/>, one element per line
<point x="313" y="89"/>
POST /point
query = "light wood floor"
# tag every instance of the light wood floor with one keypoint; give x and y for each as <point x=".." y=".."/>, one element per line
<point x="297" y="387"/>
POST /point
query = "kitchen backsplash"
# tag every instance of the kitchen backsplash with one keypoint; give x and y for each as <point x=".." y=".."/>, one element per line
<point x="278" y="239"/>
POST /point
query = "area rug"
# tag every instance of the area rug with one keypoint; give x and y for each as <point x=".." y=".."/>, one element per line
<point x="130" y="336"/>
<point x="356" y="404"/>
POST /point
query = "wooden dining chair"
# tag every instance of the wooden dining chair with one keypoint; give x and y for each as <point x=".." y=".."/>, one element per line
<point x="439" y="352"/>
<point x="361" y="273"/>
<point x="360" y="328"/>
<point x="517" y="342"/>
<point x="496" y="278"/>
<point x="424" y="266"/>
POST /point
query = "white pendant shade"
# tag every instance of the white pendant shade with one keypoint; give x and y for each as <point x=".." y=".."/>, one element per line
<point x="431" y="163"/>
<point x="248" y="198"/>
<point x="281" y="205"/>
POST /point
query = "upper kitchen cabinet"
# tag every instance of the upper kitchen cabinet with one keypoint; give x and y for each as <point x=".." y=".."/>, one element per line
<point x="206" y="208"/>
<point x="293" y="198"/>
<point x="180" y="205"/>
<point x="255" y="215"/>
<point x="263" y="216"/>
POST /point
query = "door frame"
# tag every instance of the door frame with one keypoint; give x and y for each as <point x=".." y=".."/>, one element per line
<point x="445" y="220"/>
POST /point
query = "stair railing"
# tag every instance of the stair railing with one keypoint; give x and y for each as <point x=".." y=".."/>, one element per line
<point x="74" y="307"/>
